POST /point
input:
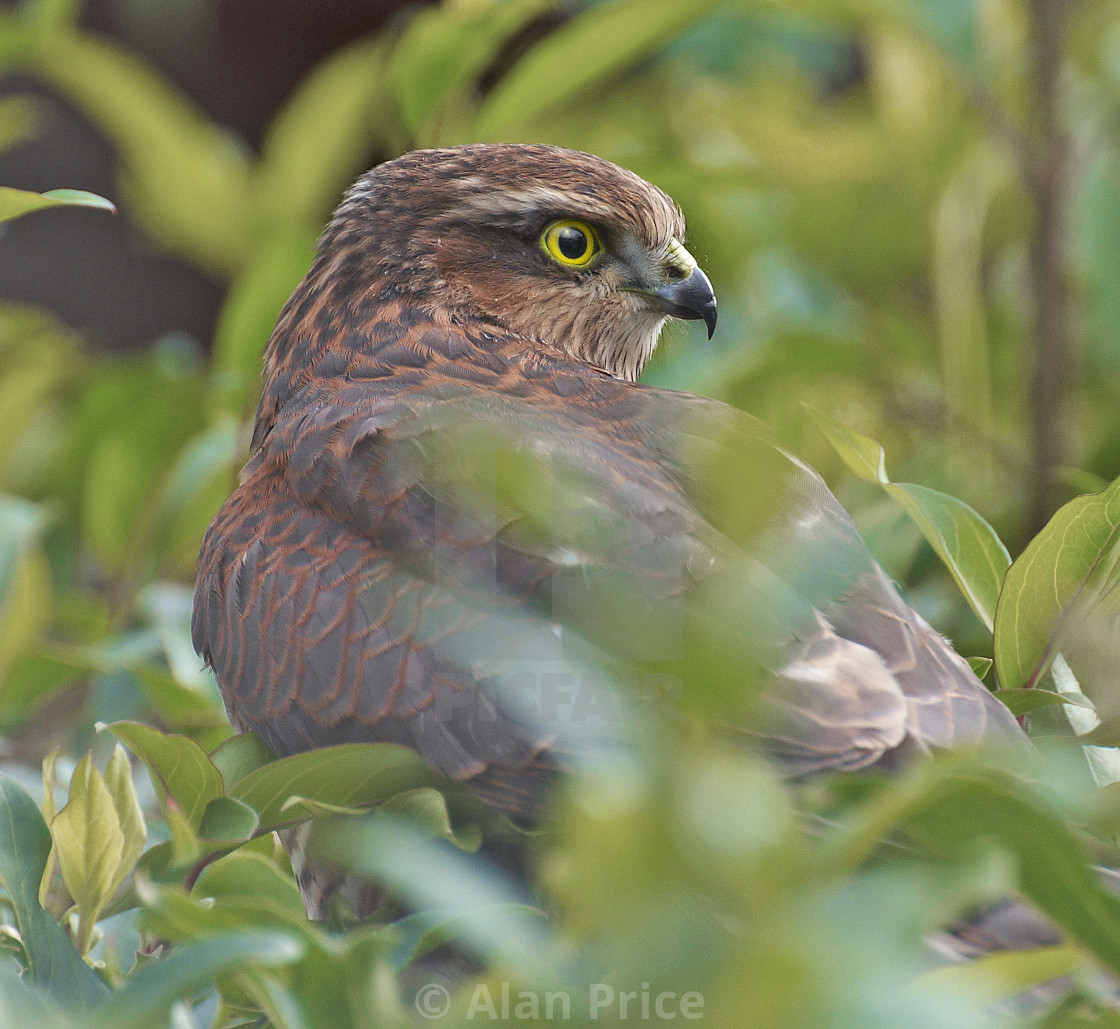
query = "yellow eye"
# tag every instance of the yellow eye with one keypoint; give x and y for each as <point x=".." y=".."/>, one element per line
<point x="570" y="243"/>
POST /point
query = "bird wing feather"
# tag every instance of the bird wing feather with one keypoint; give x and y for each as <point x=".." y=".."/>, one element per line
<point x="376" y="576"/>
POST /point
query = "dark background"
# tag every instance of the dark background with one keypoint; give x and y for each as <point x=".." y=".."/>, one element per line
<point x="238" y="60"/>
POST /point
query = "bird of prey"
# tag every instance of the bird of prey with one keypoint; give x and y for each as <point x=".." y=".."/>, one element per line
<point x="373" y="580"/>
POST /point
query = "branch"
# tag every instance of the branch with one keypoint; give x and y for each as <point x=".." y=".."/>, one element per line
<point x="1051" y="331"/>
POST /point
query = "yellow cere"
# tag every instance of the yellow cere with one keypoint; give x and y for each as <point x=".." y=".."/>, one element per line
<point x="569" y="242"/>
<point x="676" y="256"/>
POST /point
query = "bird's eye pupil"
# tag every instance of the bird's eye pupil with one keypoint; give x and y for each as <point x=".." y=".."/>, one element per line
<point x="572" y="243"/>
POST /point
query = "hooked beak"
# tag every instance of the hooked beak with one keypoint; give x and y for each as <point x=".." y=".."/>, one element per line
<point x="692" y="298"/>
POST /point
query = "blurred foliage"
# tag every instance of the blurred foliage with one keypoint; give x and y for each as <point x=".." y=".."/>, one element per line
<point x="911" y="212"/>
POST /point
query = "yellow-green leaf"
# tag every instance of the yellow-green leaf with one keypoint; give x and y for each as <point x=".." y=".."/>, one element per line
<point x="53" y="963"/>
<point x="89" y="842"/>
<point x="118" y="779"/>
<point x="50" y="780"/>
<point x="251" y="879"/>
<point x="188" y="179"/>
<point x="321" y="137"/>
<point x="1000" y="976"/>
<point x="442" y="50"/>
<point x="1063" y="573"/>
<point x="250" y="309"/>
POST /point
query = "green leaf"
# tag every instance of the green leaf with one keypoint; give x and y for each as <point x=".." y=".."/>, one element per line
<point x="298" y="807"/>
<point x="17" y="120"/>
<point x="167" y="606"/>
<point x="946" y="808"/>
<point x="179" y="768"/>
<point x="186" y="848"/>
<point x="227" y="820"/>
<point x="1065" y="571"/>
<point x="89" y="843"/>
<point x="1095" y="224"/>
<point x="249" y="313"/>
<point x="591" y="49"/>
<point x="237" y="892"/>
<point x="160" y="864"/>
<point x="1082" y="717"/>
<point x="426" y="809"/>
<point x="959" y="226"/>
<point x="16" y="202"/>
<point x="116" y="488"/>
<point x="239" y="755"/>
<point x="487" y="912"/>
<point x="38" y="360"/>
<point x="128" y="426"/>
<point x="50" y="783"/>
<point x="25" y="584"/>
<point x="21" y="526"/>
<point x="31" y="680"/>
<point x="181" y="708"/>
<point x="188" y="180"/>
<point x="198" y="483"/>
<point x="443" y="50"/>
<point x="22" y="1004"/>
<point x="1023" y="701"/>
<point x="148" y="994"/>
<point x="247" y="879"/>
<point x="320" y="139"/>
<point x="351" y="775"/>
<point x="424" y="931"/>
<point x="966" y="544"/>
<point x="52" y="17"/>
<point x="980" y="666"/>
<point x="25" y="843"/>
<point x="79" y="198"/>
<point x="1001" y="976"/>
<point x="862" y="454"/>
<point x="218" y="906"/>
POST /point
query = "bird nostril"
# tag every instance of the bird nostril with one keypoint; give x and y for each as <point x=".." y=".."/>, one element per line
<point x="675" y="273"/>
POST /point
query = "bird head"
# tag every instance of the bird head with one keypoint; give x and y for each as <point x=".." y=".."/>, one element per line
<point x="557" y="246"/>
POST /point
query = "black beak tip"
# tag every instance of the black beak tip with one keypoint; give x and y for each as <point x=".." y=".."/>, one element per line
<point x="692" y="298"/>
<point x="710" y="315"/>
